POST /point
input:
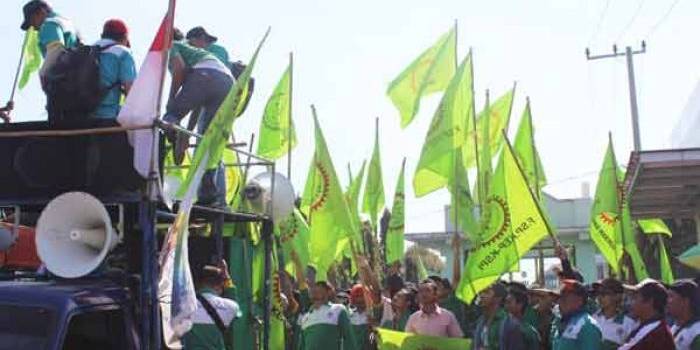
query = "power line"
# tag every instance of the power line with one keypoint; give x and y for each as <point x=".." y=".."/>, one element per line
<point x="600" y="22"/>
<point x="634" y="17"/>
<point x="662" y="20"/>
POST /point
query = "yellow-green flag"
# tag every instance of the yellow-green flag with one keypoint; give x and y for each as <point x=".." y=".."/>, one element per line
<point x="498" y="119"/>
<point x="429" y="73"/>
<point x="324" y="204"/>
<point x="513" y="225"/>
<point x="32" y="56"/>
<point x="629" y="232"/>
<point x="462" y="204"/>
<point x="395" y="235"/>
<point x="373" y="198"/>
<point x="654" y="226"/>
<point x="294" y="235"/>
<point x="447" y="132"/>
<point x="527" y="154"/>
<point x="277" y="128"/>
<point x="484" y="171"/>
<point x="605" y="226"/>
<point x="233" y="175"/>
<point x="393" y="340"/>
<point x="666" y="272"/>
<point x="420" y="269"/>
<point x="352" y="197"/>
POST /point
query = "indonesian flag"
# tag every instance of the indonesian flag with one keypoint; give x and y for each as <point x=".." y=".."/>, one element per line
<point x="142" y="104"/>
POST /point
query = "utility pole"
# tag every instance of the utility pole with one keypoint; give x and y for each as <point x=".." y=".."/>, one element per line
<point x="632" y="85"/>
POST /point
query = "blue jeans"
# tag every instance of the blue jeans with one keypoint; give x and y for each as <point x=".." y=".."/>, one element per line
<point x="205" y="89"/>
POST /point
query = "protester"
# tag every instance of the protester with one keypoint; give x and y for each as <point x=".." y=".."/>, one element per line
<point x="614" y="324"/>
<point x="325" y="325"/>
<point x="494" y="329"/>
<point x="401" y="307"/>
<point x="199" y="80"/>
<point x="448" y="299"/>
<point x="544" y="301"/>
<point x="55" y="32"/>
<point x="359" y="317"/>
<point x="431" y="319"/>
<point x="576" y="329"/>
<point x="214" y="314"/>
<point x="516" y="304"/>
<point x="529" y="316"/>
<point x="117" y="67"/>
<point x="198" y="37"/>
<point x="683" y="304"/>
<point x="649" y="308"/>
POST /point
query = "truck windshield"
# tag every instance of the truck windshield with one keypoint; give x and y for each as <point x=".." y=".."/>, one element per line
<point x="25" y="327"/>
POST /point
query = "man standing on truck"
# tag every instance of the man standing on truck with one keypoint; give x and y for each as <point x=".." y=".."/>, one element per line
<point x="215" y="312"/>
<point x="117" y="67"/>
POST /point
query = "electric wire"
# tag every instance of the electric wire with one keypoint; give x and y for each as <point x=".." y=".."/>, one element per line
<point x="662" y="20"/>
<point x="631" y="21"/>
<point x="601" y="18"/>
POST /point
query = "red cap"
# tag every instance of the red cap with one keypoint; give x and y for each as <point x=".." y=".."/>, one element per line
<point x="357" y="292"/>
<point x="115" y="26"/>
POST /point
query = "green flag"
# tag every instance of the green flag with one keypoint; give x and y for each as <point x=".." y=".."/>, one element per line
<point x="211" y="147"/>
<point x="233" y="175"/>
<point x="446" y="133"/>
<point x="393" y="340"/>
<point x="394" y="236"/>
<point x="666" y="272"/>
<point x="373" y="198"/>
<point x="513" y="225"/>
<point x="527" y="154"/>
<point x="605" y="213"/>
<point x="484" y="171"/>
<point x="294" y="234"/>
<point x="277" y="128"/>
<point x="461" y="204"/>
<point x="324" y="204"/>
<point x="353" y="198"/>
<point x="498" y="119"/>
<point x="653" y="226"/>
<point x="32" y="56"/>
<point x="429" y="73"/>
<point x="629" y="232"/>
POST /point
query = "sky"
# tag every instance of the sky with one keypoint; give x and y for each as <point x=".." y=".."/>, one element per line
<point x="346" y="53"/>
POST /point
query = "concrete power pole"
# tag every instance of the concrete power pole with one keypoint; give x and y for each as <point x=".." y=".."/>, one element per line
<point x="632" y="85"/>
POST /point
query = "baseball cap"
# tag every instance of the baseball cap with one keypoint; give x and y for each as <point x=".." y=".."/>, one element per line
<point x="650" y="289"/>
<point x="357" y="292"/>
<point x="686" y="289"/>
<point x="610" y="285"/>
<point x="29" y="9"/>
<point x="570" y="286"/>
<point x="115" y="26"/>
<point x="198" y="32"/>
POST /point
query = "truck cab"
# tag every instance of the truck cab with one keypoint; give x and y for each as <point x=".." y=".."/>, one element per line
<point x="66" y="314"/>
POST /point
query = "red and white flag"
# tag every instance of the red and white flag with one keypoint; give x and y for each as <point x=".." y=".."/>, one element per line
<point x="143" y="102"/>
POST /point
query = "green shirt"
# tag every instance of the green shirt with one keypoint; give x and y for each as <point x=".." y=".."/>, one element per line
<point x="530" y="336"/>
<point x="326" y="328"/>
<point x="205" y="335"/>
<point x="360" y="329"/>
<point x="489" y="334"/>
<point x="56" y="29"/>
<point x="399" y="324"/>
<point x="190" y="55"/>
<point x="579" y="332"/>
<point x="220" y="53"/>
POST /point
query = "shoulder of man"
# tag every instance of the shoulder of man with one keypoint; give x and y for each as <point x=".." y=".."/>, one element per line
<point x="228" y="309"/>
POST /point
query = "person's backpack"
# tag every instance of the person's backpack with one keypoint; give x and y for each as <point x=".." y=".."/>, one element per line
<point x="73" y="83"/>
<point x="237" y="69"/>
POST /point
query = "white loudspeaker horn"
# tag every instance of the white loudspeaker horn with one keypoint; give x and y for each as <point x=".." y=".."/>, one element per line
<point x="259" y="193"/>
<point x="74" y="235"/>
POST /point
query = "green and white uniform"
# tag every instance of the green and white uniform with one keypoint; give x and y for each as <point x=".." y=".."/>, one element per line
<point x="360" y="329"/>
<point x="326" y="328"/>
<point x="205" y="335"/>
<point x="615" y="330"/>
<point x="687" y="337"/>
<point x="577" y="332"/>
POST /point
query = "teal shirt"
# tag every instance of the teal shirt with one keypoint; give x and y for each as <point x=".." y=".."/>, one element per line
<point x="116" y="68"/>
<point x="190" y="55"/>
<point x="220" y="53"/>
<point x="579" y="332"/>
<point x="56" y="28"/>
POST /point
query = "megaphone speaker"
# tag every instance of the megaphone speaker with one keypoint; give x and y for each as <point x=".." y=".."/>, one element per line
<point x="278" y="203"/>
<point x="74" y="234"/>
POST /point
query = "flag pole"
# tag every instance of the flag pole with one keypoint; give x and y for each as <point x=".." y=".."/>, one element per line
<point x="537" y="203"/>
<point x="620" y="208"/>
<point x="289" y="117"/>
<point x="19" y="66"/>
